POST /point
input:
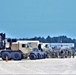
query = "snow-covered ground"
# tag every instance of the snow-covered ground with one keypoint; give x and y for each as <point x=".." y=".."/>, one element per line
<point x="43" y="66"/>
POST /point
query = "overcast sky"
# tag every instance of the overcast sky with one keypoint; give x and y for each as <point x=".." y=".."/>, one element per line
<point x="29" y="18"/>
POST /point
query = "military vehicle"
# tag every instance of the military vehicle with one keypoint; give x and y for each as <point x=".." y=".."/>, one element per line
<point x="47" y="48"/>
<point x="16" y="51"/>
<point x="37" y="54"/>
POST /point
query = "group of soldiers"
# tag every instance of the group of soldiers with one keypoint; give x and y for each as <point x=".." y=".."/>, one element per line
<point x="61" y="53"/>
<point x="57" y="53"/>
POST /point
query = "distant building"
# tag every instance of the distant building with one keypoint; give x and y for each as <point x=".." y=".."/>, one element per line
<point x="58" y="45"/>
<point x="66" y="45"/>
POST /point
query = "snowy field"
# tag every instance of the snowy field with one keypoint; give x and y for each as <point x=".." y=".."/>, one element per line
<point x="43" y="66"/>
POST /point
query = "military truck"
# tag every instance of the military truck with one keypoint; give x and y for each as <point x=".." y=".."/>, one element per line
<point x="37" y="54"/>
<point x="15" y="51"/>
<point x="47" y="48"/>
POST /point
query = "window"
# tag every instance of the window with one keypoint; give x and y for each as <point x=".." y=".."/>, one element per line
<point x="23" y="45"/>
<point x="29" y="45"/>
<point x="46" y="46"/>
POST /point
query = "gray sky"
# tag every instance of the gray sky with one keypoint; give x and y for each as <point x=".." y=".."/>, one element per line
<point x="29" y="18"/>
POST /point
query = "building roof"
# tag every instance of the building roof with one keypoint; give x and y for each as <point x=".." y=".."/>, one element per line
<point x="25" y="41"/>
<point x="59" y="44"/>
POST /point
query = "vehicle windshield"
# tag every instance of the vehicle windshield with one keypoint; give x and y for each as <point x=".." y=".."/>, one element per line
<point x="29" y="45"/>
<point x="46" y="46"/>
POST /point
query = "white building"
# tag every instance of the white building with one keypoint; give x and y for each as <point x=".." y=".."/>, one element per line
<point x="58" y="45"/>
<point x="66" y="45"/>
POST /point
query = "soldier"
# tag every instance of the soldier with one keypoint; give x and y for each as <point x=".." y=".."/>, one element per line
<point x="62" y="51"/>
<point x="66" y="53"/>
<point x="69" y="52"/>
<point x="56" y="52"/>
<point x="73" y="53"/>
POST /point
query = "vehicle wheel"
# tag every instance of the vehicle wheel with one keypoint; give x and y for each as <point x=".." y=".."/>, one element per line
<point x="16" y="56"/>
<point x="33" y="56"/>
<point x="39" y="56"/>
<point x="44" y="55"/>
<point x="5" y="54"/>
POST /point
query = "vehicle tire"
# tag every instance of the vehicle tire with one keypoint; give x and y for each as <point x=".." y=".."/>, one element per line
<point x="5" y="54"/>
<point x="45" y="55"/>
<point x="33" y="56"/>
<point x="39" y="56"/>
<point x="16" y="56"/>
